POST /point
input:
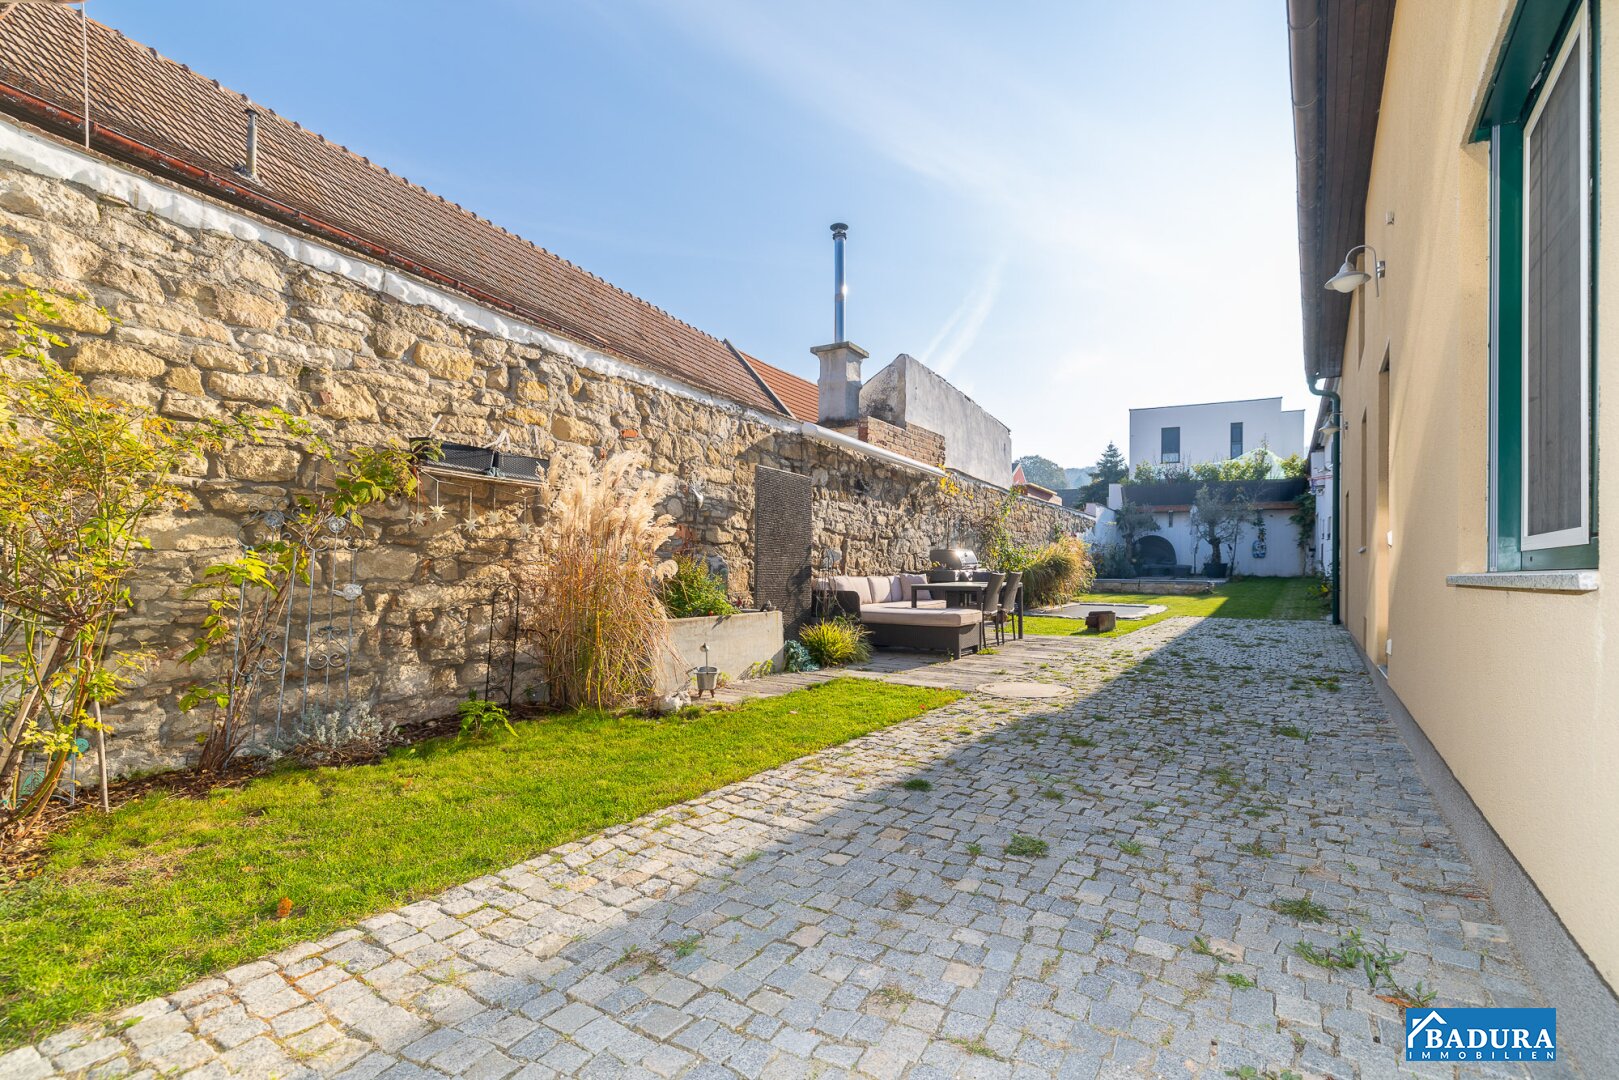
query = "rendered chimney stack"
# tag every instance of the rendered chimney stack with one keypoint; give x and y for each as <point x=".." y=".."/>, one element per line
<point x="838" y="390"/>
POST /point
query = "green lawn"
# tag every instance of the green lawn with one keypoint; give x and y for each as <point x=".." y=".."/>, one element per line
<point x="1250" y="598"/>
<point x="166" y="889"/>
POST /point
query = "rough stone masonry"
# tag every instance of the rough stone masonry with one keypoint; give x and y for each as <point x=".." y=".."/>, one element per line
<point x="199" y="322"/>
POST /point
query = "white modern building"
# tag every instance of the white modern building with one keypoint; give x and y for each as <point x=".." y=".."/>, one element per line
<point x="1268" y="545"/>
<point x="1214" y="431"/>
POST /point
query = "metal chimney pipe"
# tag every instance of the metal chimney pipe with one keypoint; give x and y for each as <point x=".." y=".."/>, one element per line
<point x="252" y="144"/>
<point x="840" y="233"/>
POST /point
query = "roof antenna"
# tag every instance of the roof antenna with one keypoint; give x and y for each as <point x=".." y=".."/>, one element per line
<point x="840" y="233"/>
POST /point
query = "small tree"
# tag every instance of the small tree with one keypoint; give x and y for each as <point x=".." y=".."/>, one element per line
<point x="79" y="478"/>
<point x="998" y="549"/>
<point x="1132" y="522"/>
<point x="1042" y="471"/>
<point x="1218" y="514"/>
<point x="249" y="594"/>
<point x="1110" y="468"/>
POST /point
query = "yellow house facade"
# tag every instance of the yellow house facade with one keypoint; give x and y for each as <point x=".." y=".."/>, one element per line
<point x="1470" y="146"/>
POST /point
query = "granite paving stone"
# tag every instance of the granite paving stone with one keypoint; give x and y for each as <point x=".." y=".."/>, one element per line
<point x="820" y="919"/>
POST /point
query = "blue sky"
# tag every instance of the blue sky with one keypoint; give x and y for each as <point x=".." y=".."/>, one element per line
<point x="1067" y="208"/>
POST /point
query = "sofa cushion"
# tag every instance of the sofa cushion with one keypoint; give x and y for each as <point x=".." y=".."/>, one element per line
<point x="908" y="582"/>
<point x="884" y="588"/>
<point x="897" y="614"/>
<point x="856" y="585"/>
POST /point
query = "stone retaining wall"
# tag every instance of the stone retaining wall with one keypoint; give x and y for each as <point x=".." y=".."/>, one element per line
<point x="203" y="322"/>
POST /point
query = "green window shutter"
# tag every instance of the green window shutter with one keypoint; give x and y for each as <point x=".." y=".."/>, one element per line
<point x="1542" y="329"/>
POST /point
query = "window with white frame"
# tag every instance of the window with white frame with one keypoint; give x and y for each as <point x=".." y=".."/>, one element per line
<point x="1556" y="306"/>
<point x="1539" y="120"/>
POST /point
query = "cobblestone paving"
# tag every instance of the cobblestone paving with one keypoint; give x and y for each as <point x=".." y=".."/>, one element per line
<point x="858" y="912"/>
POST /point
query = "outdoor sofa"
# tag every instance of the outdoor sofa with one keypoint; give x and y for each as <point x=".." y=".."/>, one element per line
<point x="884" y="605"/>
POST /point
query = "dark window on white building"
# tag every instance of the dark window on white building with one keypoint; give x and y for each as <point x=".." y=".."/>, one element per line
<point x="1169" y="445"/>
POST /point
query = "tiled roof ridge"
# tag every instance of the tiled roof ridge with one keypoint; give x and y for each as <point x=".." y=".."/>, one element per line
<point x="266" y="110"/>
<point x="155" y="110"/>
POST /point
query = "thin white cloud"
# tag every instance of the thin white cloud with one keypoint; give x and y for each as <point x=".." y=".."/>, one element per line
<point x="960" y="331"/>
<point x="930" y="118"/>
<point x="1116" y="206"/>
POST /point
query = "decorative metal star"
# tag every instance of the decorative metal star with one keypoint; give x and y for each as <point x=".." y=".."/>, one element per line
<point x="438" y="511"/>
<point x="417" y="517"/>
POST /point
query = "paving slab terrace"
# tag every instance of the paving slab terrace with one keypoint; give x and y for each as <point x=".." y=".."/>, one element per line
<point x="1014" y="658"/>
<point x="1000" y="888"/>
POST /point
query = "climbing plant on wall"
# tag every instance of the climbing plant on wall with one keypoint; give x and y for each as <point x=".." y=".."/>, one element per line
<point x="248" y="595"/>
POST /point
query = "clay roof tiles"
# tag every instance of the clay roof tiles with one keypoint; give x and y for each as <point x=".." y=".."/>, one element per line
<point x="802" y="397"/>
<point x="159" y="103"/>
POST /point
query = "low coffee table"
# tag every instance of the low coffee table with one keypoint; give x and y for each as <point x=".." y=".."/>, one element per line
<point x="955" y="593"/>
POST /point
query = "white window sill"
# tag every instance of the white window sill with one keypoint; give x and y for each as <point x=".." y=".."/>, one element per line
<point x="1565" y="581"/>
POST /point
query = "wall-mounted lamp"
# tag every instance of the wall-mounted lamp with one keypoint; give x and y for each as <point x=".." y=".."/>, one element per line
<point x="1348" y="279"/>
<point x="1328" y="430"/>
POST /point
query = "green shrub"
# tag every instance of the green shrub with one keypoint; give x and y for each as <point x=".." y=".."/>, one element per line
<point x="837" y="642"/>
<point x="475" y="712"/>
<point x="695" y="590"/>
<point x="797" y="658"/>
<point x="1113" y="561"/>
<point x="1057" y="573"/>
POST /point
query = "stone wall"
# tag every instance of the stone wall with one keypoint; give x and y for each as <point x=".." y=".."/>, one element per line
<point x="204" y="322"/>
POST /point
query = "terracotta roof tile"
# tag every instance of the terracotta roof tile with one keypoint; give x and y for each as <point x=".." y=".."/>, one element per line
<point x="802" y="397"/>
<point x="140" y="95"/>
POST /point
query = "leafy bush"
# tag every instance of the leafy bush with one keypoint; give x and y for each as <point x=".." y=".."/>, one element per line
<point x="797" y="658"/>
<point x="694" y="590"/>
<point x="476" y="712"/>
<point x="1113" y="561"/>
<point x="1008" y="557"/>
<point x="1057" y="573"/>
<point x="837" y="642"/>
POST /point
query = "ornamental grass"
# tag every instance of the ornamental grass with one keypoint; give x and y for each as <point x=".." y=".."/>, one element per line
<point x="837" y="642"/>
<point x="1058" y="572"/>
<point x="591" y="582"/>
